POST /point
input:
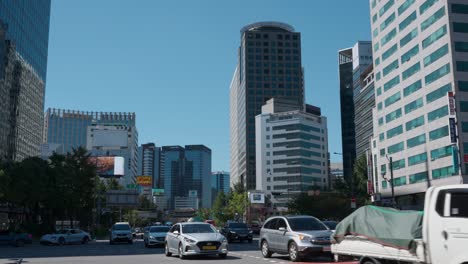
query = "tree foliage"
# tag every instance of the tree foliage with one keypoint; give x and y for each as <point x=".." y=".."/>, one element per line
<point x="323" y="206"/>
<point x="356" y="187"/>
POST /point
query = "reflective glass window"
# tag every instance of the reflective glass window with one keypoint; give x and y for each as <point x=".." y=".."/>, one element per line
<point x="438" y="113"/>
<point x="439" y="93"/>
<point x="438" y="133"/>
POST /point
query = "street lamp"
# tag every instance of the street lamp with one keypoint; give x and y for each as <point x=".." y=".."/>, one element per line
<point x="390" y="160"/>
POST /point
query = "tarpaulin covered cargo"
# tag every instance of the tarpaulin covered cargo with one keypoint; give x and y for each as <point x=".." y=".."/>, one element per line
<point x="387" y="226"/>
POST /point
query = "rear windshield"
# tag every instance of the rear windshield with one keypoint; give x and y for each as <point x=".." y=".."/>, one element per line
<point x="237" y="225"/>
<point x="330" y="224"/>
<point x="159" y="229"/>
<point x="121" y="227"/>
<point x="197" y="228"/>
<point x="306" y="224"/>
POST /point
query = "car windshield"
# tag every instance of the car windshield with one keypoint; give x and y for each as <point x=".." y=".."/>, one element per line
<point x="237" y="225"/>
<point x="330" y="224"/>
<point x="197" y="228"/>
<point x="121" y="227"/>
<point x="159" y="229"/>
<point x="306" y="224"/>
<point x="63" y="231"/>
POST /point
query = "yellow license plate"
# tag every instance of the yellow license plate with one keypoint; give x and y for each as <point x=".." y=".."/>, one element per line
<point x="209" y="247"/>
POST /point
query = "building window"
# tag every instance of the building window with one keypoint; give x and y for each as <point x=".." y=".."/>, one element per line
<point x="460" y="27"/>
<point x="379" y="91"/>
<point x="381" y="137"/>
<point x="412" y="124"/>
<point x="392" y="99"/>
<point x="418" y="177"/>
<point x="391" y="67"/>
<point x="464" y="127"/>
<point x="439" y="53"/>
<point x="392" y="83"/>
<point x="426" y="5"/>
<point x="268" y="145"/>
<point x="434" y="36"/>
<point x="396" y="148"/>
<point x="398" y="164"/>
<point x="411" y="71"/>
<point x="407" y="21"/>
<point x="441" y="152"/>
<point x="438" y="113"/>
<point x="416" y="141"/>
<point x="432" y="19"/>
<point x="386" y="7"/>
<point x="439" y="93"/>
<point x="438" y="133"/>
<point x="374" y="18"/>
<point x="379" y="106"/>
<point x="410" y="36"/>
<point x="267" y="137"/>
<point x="393" y="115"/>
<point x="418" y="103"/>
<point x="437" y="74"/>
<point x="409" y="54"/>
<point x="377" y="61"/>
<point x="417" y="159"/>
<point x="412" y="88"/>
<point x="399" y="181"/>
<point x="443" y="172"/>
<point x="464" y="106"/>
<point x="382" y="152"/>
<point x="380" y="121"/>
<point x="376" y="32"/>
<point x="268" y="153"/>
<point x="461" y="46"/>
<point x="389" y="52"/>
<point x="402" y="8"/>
<point x="459" y="9"/>
<point x="463" y="86"/>
<point x="376" y="47"/>
<point x="462" y="66"/>
<point x="395" y="131"/>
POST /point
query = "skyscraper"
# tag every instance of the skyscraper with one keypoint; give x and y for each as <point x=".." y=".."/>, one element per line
<point x="219" y="183"/>
<point x="187" y="173"/>
<point x="149" y="163"/>
<point x="420" y="123"/>
<point x="269" y="66"/>
<point x="24" y="35"/>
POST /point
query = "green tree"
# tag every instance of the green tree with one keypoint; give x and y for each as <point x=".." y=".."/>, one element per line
<point x="144" y="203"/>
<point x="323" y="206"/>
<point x="220" y="212"/>
<point x="237" y="204"/>
<point x="239" y="188"/>
<point x="204" y="213"/>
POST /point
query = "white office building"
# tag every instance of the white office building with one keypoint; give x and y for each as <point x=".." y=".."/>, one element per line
<point x="420" y="50"/>
<point x="291" y="151"/>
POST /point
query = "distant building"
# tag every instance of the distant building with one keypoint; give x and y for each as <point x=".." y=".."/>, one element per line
<point x="48" y="150"/>
<point x="149" y="163"/>
<point x="292" y="152"/>
<point x="186" y="170"/>
<point x="219" y="183"/>
<point x="115" y="140"/>
<point x="269" y="66"/>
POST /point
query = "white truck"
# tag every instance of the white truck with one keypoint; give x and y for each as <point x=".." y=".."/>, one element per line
<point x="444" y="234"/>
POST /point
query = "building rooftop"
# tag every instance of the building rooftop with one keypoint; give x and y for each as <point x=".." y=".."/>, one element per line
<point x="271" y="25"/>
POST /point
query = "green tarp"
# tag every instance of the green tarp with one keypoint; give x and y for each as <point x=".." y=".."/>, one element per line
<point x="387" y="226"/>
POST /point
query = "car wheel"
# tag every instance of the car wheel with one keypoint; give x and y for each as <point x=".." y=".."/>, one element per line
<point x="181" y="251"/>
<point x="223" y="255"/>
<point x="293" y="252"/>
<point x="266" y="249"/>
<point x="166" y="251"/>
<point x="85" y="240"/>
<point x="61" y="241"/>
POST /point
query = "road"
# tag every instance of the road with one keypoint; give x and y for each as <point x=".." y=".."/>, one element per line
<point x="100" y="252"/>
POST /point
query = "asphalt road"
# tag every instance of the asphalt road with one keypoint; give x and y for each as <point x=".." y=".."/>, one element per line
<point x="100" y="252"/>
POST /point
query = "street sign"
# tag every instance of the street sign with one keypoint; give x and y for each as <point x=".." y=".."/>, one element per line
<point x="451" y="99"/>
<point x="158" y="192"/>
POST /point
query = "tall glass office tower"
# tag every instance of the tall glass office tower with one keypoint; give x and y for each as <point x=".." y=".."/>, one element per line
<point x="269" y="66"/>
<point x="24" y="35"/>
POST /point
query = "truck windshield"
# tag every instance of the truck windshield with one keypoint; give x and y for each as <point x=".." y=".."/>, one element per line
<point x="306" y="224"/>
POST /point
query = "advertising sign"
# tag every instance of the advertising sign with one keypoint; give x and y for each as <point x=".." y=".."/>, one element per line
<point x="451" y="100"/>
<point x="144" y="180"/>
<point x="256" y="197"/>
<point x="158" y="192"/>
<point x="108" y="167"/>
<point x="456" y="163"/>
<point x="453" y="130"/>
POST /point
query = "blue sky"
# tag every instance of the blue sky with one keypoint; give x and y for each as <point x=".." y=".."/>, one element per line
<point x="171" y="62"/>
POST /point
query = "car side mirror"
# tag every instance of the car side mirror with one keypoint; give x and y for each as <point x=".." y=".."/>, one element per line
<point x="175" y="232"/>
<point x="282" y="229"/>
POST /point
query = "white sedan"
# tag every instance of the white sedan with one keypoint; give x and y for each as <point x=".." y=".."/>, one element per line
<point x="66" y="236"/>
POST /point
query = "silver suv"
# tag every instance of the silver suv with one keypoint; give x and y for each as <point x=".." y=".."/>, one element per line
<point x="297" y="236"/>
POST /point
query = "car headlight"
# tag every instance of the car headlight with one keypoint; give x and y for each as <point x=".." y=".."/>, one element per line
<point x="188" y="240"/>
<point x="303" y="237"/>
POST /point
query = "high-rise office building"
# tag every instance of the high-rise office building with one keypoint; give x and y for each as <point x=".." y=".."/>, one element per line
<point x="292" y="151"/>
<point x="357" y="101"/>
<point x="187" y="173"/>
<point x="24" y="35"/>
<point x="115" y="140"/>
<point x="421" y="78"/>
<point x="220" y="182"/>
<point x="149" y="163"/>
<point x="68" y="128"/>
<point x="269" y="66"/>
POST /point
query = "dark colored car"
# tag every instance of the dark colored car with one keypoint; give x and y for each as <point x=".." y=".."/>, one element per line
<point x="237" y="231"/>
<point x="14" y="238"/>
<point x="331" y="224"/>
<point x="255" y="227"/>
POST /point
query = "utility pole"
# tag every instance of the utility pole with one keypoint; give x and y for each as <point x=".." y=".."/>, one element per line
<point x="391" y="181"/>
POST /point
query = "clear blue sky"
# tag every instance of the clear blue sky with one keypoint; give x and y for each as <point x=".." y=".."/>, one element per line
<point x="171" y="62"/>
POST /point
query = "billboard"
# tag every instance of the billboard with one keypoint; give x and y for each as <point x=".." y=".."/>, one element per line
<point x="108" y="166"/>
<point x="144" y="180"/>
<point x="109" y="138"/>
<point x="256" y="198"/>
<point x="158" y="192"/>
